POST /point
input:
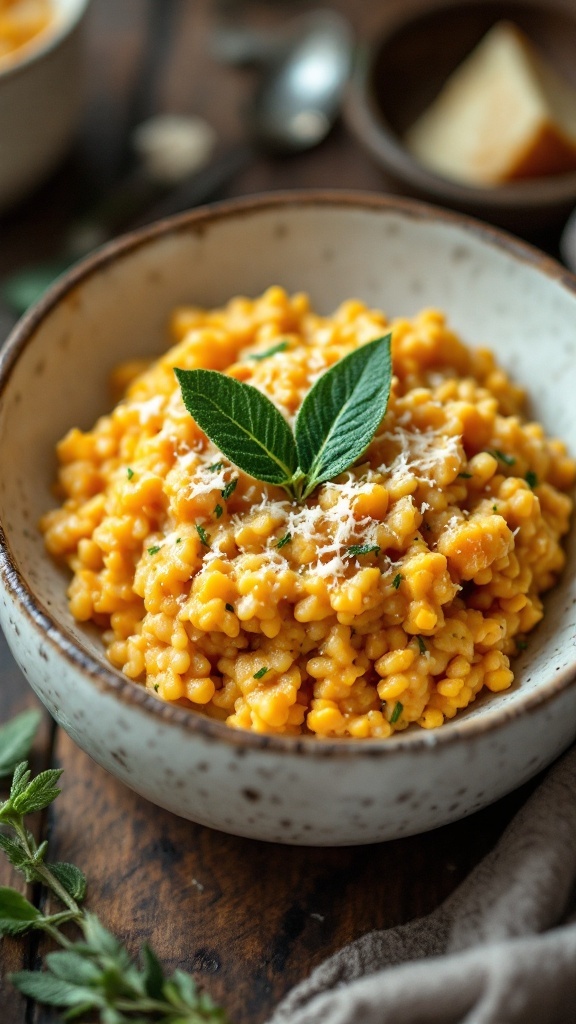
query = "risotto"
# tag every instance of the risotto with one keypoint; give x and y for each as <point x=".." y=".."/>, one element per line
<point x="394" y="594"/>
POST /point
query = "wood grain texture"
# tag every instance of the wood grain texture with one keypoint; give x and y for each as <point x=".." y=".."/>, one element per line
<point x="249" y="919"/>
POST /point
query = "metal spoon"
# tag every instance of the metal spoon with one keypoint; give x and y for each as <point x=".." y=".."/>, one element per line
<point x="292" y="110"/>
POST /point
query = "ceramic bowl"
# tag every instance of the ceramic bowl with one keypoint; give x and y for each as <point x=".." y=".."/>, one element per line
<point x="395" y="254"/>
<point x="40" y="102"/>
<point x="402" y="68"/>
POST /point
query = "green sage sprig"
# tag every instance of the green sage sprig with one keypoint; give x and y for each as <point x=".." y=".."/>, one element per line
<point x="93" y="974"/>
<point x="335" y="424"/>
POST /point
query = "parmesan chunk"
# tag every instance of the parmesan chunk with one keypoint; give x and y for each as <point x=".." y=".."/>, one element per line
<point x="503" y="114"/>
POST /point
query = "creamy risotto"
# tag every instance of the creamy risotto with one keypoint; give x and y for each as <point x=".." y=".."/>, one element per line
<point x="393" y="595"/>
<point x="20" y="22"/>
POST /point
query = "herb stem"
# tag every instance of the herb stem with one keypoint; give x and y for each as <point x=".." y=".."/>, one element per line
<point x="43" y="873"/>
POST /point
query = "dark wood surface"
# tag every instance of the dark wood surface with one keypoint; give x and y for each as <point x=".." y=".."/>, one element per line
<point x="249" y="919"/>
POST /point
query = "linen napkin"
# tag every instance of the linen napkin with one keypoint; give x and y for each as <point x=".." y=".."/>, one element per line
<point x="500" y="950"/>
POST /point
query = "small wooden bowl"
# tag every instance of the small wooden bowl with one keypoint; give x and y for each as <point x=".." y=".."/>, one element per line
<point x="398" y="75"/>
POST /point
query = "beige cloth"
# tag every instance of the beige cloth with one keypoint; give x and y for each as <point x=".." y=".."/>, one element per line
<point x="500" y="950"/>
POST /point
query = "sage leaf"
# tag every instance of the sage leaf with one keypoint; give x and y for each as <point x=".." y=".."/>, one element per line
<point x="71" y="878"/>
<point x="153" y="973"/>
<point x="38" y="794"/>
<point x="46" y="988"/>
<point x="72" y="967"/>
<point x="244" y="424"/>
<point x="341" y="412"/>
<point x="16" y="738"/>
<point x="16" y="913"/>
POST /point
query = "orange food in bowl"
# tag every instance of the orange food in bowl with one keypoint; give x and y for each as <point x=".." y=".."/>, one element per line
<point x="21" y="21"/>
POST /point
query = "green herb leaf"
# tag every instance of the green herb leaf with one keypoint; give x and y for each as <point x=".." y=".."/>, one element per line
<point x="39" y="793"/>
<point x="398" y="709"/>
<point x="154" y="550"/>
<point x="421" y="645"/>
<point x="71" y="878"/>
<point x="341" y="412"/>
<point x="531" y="479"/>
<point x="261" y="672"/>
<point x="17" y="856"/>
<point x="244" y="424"/>
<point x="466" y="476"/>
<point x="362" y="549"/>
<point x="16" y="913"/>
<point x="508" y="460"/>
<point x="280" y="347"/>
<point x="204" y="537"/>
<point x="16" y="738"/>
<point x="216" y="467"/>
<point x="46" y="988"/>
<point x="218" y="510"/>
<point x="153" y="973"/>
<point x="73" y="967"/>
<point x="284" y="540"/>
<point x="397" y="580"/>
<point x="229" y="488"/>
<point x="129" y="472"/>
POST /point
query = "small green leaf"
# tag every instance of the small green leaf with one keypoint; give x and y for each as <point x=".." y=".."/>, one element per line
<point x="73" y="967"/>
<point x="531" y="479"/>
<point x="218" y="510"/>
<point x="508" y="460"/>
<point x="20" y="779"/>
<point x="216" y="467"/>
<point x="362" y="549"/>
<point x="341" y="412"/>
<point x="421" y="645"/>
<point x="16" y="913"/>
<point x="154" y="549"/>
<point x="204" y="537"/>
<point x="100" y="939"/>
<point x="129" y="472"/>
<point x="39" y="793"/>
<point x="280" y="347"/>
<point x="153" y="973"/>
<point x="261" y="672"/>
<point x="71" y="878"/>
<point x="17" y="856"/>
<point x="46" y="988"/>
<point x="284" y="540"/>
<point x="397" y="580"/>
<point x="398" y="709"/>
<point x="229" y="488"/>
<point x="242" y="422"/>
<point x="465" y="476"/>
<point x="16" y="738"/>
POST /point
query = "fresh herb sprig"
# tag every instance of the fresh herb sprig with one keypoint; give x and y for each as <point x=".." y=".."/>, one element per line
<point x="335" y="424"/>
<point x="94" y="974"/>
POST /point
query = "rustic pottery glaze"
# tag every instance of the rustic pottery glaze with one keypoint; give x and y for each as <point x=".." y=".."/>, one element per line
<point x="392" y="253"/>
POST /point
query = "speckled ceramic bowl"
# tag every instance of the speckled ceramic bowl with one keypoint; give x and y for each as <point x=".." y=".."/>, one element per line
<point x="392" y="253"/>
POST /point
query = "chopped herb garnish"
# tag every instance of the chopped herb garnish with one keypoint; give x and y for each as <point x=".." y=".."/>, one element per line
<point x="398" y="709"/>
<point x="205" y="539"/>
<point x="129" y="472"/>
<point x="154" y="550"/>
<point x="216" y="467"/>
<point x="362" y="549"/>
<point x="230" y="488"/>
<point x="229" y="607"/>
<point x="261" y="672"/>
<point x="531" y="479"/>
<point x="421" y="645"/>
<point x="494" y="508"/>
<point x="218" y="511"/>
<point x="334" y="426"/>
<point x="397" y="580"/>
<point x="466" y="476"/>
<point x="284" y="540"/>
<point x="178" y="540"/>
<point x="156" y="687"/>
<point x="509" y="460"/>
<point x="280" y="347"/>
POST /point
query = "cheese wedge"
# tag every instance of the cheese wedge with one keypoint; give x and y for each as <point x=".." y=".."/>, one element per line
<point x="503" y="114"/>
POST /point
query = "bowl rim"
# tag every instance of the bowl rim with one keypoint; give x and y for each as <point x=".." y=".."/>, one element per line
<point x="41" y="46"/>
<point x="110" y="680"/>
<point x="368" y="122"/>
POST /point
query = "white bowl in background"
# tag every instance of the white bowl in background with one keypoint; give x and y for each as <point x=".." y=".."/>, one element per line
<point x="392" y="253"/>
<point x="40" y="102"/>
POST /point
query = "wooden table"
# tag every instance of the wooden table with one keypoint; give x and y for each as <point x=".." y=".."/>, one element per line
<point x="249" y="919"/>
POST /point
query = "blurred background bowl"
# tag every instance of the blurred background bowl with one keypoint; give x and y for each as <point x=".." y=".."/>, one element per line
<point x="400" y="72"/>
<point x="40" y="102"/>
